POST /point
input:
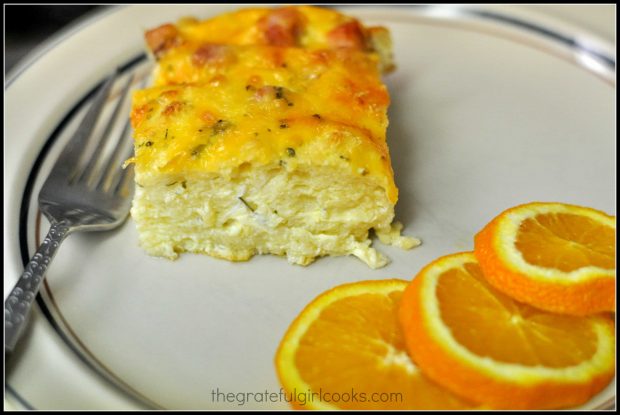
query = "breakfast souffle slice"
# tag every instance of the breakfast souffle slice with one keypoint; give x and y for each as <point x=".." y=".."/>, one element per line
<point x="264" y="133"/>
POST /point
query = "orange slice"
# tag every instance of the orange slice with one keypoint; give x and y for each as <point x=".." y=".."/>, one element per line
<point x="481" y="344"/>
<point x="346" y="351"/>
<point x="554" y="256"/>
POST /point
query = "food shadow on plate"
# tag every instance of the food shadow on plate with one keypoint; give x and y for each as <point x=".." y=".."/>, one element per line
<point x="401" y="142"/>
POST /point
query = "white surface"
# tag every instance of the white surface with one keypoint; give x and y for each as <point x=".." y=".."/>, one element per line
<point x="482" y="118"/>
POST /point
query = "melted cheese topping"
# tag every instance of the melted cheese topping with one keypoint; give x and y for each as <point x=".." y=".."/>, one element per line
<point x="253" y="26"/>
<point x="307" y="91"/>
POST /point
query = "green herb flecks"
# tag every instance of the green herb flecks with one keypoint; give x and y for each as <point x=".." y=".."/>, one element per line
<point x="183" y="184"/>
<point x="279" y="92"/>
<point x="220" y="126"/>
<point x="197" y="150"/>
<point x="246" y="204"/>
<point x="282" y="93"/>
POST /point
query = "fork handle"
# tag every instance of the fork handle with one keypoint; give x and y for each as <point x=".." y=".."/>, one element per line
<point x="18" y="304"/>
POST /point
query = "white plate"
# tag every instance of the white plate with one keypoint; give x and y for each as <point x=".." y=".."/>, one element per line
<point x="488" y="111"/>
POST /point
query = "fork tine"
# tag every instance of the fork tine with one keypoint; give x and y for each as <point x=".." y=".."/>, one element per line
<point x="90" y="173"/>
<point x="114" y="162"/>
<point x="120" y="177"/>
<point x="123" y="186"/>
<point x="79" y="141"/>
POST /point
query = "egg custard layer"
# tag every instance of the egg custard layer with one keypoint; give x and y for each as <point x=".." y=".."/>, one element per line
<point x="264" y="132"/>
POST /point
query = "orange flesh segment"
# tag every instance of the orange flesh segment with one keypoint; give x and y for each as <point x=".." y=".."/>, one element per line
<point x="357" y="344"/>
<point x="476" y="313"/>
<point x="566" y="242"/>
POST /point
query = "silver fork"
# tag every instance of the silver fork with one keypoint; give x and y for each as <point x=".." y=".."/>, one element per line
<point x="82" y="193"/>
